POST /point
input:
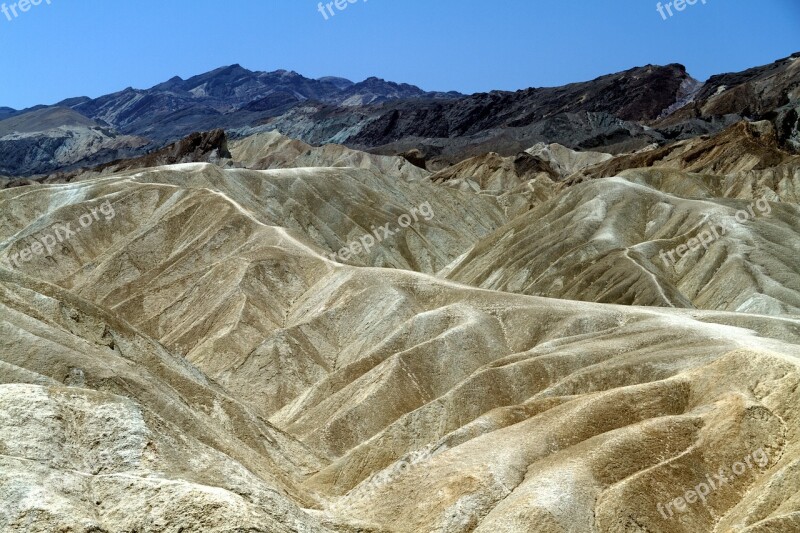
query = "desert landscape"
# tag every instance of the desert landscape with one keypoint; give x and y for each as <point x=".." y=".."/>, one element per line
<point x="258" y="302"/>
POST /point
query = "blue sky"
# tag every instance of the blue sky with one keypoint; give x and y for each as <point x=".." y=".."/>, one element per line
<point x="93" y="47"/>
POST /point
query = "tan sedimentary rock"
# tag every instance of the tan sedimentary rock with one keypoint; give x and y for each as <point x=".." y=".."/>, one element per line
<point x="616" y="241"/>
<point x="272" y="150"/>
<point x="198" y="362"/>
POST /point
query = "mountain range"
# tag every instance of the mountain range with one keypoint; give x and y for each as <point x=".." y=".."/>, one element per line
<point x="614" y="113"/>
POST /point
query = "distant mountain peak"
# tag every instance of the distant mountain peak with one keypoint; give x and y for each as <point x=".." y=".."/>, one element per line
<point x="234" y="67"/>
<point x="340" y="83"/>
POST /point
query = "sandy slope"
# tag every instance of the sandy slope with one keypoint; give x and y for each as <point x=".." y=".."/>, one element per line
<point x="273" y="150"/>
<point x="198" y="362"/>
<point x="609" y="240"/>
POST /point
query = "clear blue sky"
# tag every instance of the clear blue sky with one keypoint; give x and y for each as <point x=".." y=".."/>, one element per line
<point x="93" y="47"/>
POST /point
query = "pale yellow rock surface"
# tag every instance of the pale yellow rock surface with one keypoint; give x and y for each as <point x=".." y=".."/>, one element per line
<point x="566" y="161"/>
<point x="198" y="362"/>
<point x="609" y="240"/>
<point x="271" y="150"/>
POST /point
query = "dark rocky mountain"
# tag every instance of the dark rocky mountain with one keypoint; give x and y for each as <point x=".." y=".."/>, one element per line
<point x="57" y="138"/>
<point x="770" y="92"/>
<point x="616" y="113"/>
<point x="230" y="97"/>
<point x="596" y="113"/>
<point x="634" y="95"/>
<point x="6" y="112"/>
<point x="146" y="120"/>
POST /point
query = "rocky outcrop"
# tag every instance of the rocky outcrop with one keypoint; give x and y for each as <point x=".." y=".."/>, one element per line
<point x="743" y="147"/>
<point x="205" y="147"/>
<point x="199" y="147"/>
<point x="769" y="92"/>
